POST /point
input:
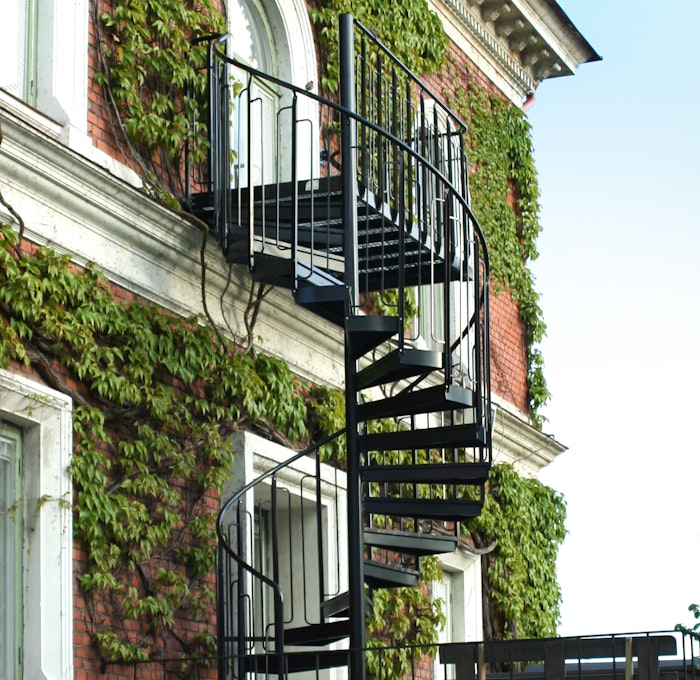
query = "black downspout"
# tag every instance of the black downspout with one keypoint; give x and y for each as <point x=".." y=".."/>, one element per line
<point x="348" y="153"/>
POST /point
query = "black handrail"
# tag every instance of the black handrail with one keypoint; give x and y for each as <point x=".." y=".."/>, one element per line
<point x="244" y="566"/>
<point x="401" y="144"/>
<point x="429" y="166"/>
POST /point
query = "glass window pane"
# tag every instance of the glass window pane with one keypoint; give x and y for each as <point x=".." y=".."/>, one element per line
<point x="13" y="47"/>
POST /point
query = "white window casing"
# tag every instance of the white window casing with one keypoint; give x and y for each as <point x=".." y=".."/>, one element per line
<point x="11" y="540"/>
<point x="44" y="418"/>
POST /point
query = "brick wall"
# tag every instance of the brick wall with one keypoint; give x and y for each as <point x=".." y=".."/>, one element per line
<point x="86" y="661"/>
<point x="508" y="352"/>
<point x="102" y="126"/>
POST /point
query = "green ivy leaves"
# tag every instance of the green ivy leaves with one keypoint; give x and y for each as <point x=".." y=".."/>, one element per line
<point x="402" y="617"/>
<point x="525" y="519"/>
<point x="409" y="28"/>
<point x="505" y="196"/>
<point x="155" y="398"/>
<point x="154" y="76"/>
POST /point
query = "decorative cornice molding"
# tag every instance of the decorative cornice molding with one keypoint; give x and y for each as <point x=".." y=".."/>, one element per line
<point x="492" y="47"/>
<point x="80" y="208"/>
<point x="517" y="442"/>
<point x="518" y="43"/>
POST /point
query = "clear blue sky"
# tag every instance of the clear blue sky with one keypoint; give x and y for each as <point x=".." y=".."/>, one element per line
<point x="617" y="148"/>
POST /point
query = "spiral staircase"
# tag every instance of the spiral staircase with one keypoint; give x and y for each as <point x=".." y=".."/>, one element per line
<point x="360" y="208"/>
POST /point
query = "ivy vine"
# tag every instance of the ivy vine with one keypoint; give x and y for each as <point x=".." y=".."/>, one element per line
<point x="151" y="70"/>
<point x="505" y="197"/>
<point x="522" y="528"/>
<point x="409" y="28"/>
<point x="155" y="397"/>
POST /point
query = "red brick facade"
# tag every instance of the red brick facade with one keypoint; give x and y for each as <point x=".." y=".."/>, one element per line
<point x="508" y="347"/>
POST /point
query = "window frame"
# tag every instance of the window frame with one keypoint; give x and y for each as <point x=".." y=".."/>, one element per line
<point x="25" y="28"/>
<point x="12" y="540"/>
<point x="44" y="417"/>
<point x="58" y="44"/>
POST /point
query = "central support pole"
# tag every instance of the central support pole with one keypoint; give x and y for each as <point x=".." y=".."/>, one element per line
<point x="348" y="150"/>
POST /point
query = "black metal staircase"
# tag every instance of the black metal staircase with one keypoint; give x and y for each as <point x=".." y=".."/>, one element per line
<point x="362" y="212"/>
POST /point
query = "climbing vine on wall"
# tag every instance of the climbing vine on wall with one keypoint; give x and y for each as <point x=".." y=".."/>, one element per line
<point x="151" y="71"/>
<point x="409" y="28"/>
<point x="154" y="398"/>
<point x="505" y="196"/>
<point x="522" y="523"/>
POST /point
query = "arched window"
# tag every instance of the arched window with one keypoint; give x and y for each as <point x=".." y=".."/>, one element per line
<point x="258" y="103"/>
<point x="274" y="37"/>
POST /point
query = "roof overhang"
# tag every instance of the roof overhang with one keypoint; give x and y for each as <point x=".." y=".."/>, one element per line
<point x="517" y="43"/>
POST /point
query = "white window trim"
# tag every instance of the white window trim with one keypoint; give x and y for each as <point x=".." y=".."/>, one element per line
<point x="467" y="603"/>
<point x="60" y="107"/>
<point x="254" y="455"/>
<point x="45" y="417"/>
<point x="296" y="63"/>
<point x="62" y="63"/>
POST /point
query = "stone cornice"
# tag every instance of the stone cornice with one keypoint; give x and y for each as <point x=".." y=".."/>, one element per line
<point x="517" y="43"/>
<point x="517" y="442"/>
<point x="80" y="208"/>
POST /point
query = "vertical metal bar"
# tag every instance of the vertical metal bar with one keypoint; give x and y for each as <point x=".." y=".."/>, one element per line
<point x="629" y="665"/>
<point x="355" y="545"/>
<point x="251" y="193"/>
<point x="363" y="98"/>
<point x="241" y="593"/>
<point x="212" y="104"/>
<point x="481" y="662"/>
<point x="225" y="153"/>
<point x="348" y="144"/>
<point x="278" y="605"/>
<point x="400" y="177"/>
<point x="393" y="160"/>
<point x="380" y="120"/>
<point x="319" y="535"/>
<point x="446" y="194"/>
<point x="221" y="602"/>
<point x="295" y="200"/>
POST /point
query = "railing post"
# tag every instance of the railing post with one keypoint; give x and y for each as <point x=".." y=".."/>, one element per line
<point x="348" y="154"/>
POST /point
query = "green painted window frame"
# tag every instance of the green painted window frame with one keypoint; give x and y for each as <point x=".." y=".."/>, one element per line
<point x="23" y="22"/>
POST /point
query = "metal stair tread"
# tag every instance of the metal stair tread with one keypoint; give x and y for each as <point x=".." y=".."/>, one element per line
<point x="409" y="542"/>
<point x="427" y="473"/>
<point x="397" y="365"/>
<point x="339" y="605"/>
<point x="317" y="634"/>
<point x="438" y="398"/>
<point x="381" y="575"/>
<point x="424" y="508"/>
<point x="367" y="332"/>
<point x="295" y="662"/>
<point x="450" y="436"/>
